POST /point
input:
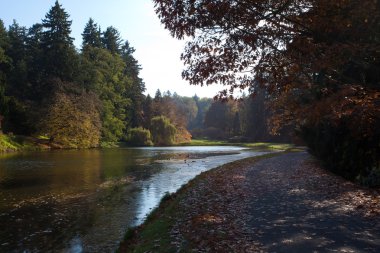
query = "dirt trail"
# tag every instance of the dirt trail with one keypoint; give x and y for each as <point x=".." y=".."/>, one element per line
<point x="286" y="203"/>
<point x="298" y="207"/>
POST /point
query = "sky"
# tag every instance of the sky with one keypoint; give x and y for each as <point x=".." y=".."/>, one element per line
<point x="157" y="52"/>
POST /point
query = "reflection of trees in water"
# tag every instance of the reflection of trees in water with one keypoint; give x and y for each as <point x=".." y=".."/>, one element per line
<point x="88" y="194"/>
<point x="76" y="170"/>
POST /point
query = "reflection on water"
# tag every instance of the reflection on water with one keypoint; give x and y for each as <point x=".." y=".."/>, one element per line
<point x="75" y="201"/>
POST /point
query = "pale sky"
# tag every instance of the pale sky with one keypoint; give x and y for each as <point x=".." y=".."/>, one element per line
<point x="157" y="52"/>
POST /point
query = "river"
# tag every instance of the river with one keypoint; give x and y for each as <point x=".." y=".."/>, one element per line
<point x="85" y="200"/>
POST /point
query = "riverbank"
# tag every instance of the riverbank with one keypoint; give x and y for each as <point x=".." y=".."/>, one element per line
<point x="256" y="145"/>
<point x="13" y="143"/>
<point x="281" y="202"/>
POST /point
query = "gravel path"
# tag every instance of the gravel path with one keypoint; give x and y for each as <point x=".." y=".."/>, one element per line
<point x="297" y="207"/>
<point x="286" y="203"/>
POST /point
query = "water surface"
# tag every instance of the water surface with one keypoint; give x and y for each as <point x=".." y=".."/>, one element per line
<point x="84" y="201"/>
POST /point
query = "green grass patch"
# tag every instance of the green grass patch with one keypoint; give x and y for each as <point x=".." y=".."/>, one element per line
<point x="43" y="137"/>
<point x="11" y="143"/>
<point x="253" y="145"/>
<point x="204" y="142"/>
<point x="260" y="146"/>
<point x="8" y="143"/>
<point x="105" y="144"/>
<point x="268" y="145"/>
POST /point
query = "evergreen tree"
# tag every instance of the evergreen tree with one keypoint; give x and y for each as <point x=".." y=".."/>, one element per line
<point x="91" y="35"/>
<point x="157" y="106"/>
<point x="135" y="92"/>
<point x="13" y="78"/>
<point x="3" y="39"/>
<point x="34" y="37"/>
<point x="148" y="111"/>
<point x="158" y="96"/>
<point x="58" y="26"/>
<point x="17" y="39"/>
<point x="111" y="40"/>
<point x="106" y="77"/>
<point x="60" y="55"/>
<point x="17" y="52"/>
<point x="35" y="59"/>
<point x="167" y="94"/>
<point x="4" y="66"/>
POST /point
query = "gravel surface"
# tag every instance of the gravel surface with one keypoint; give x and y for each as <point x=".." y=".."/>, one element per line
<point x="286" y="203"/>
<point x="295" y="206"/>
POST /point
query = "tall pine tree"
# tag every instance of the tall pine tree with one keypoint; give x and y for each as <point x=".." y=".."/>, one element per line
<point x="135" y="92"/>
<point x="17" y="51"/>
<point x="148" y="111"/>
<point x="111" y="40"/>
<point x="91" y="35"/>
<point x="35" y="59"/>
<point x="60" y="55"/>
<point x="4" y="66"/>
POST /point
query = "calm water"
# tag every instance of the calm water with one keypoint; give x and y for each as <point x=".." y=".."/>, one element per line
<point x="84" y="201"/>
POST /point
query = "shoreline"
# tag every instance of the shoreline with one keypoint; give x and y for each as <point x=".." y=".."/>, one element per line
<point x="210" y="212"/>
<point x="157" y="224"/>
<point x="16" y="143"/>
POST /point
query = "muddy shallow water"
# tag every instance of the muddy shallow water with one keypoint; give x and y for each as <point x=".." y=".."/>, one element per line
<point x="84" y="201"/>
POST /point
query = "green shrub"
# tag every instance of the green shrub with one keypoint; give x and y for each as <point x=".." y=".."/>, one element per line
<point x="7" y="143"/>
<point x="139" y="137"/>
<point x="163" y="131"/>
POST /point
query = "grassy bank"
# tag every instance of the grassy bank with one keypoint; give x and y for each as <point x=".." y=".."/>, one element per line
<point x="9" y="143"/>
<point x="204" y="142"/>
<point x="12" y="143"/>
<point x="255" y="145"/>
<point x="155" y="234"/>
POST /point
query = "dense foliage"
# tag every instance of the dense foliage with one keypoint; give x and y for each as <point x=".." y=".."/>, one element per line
<point x="318" y="60"/>
<point x="139" y="137"/>
<point x="240" y="120"/>
<point x="236" y="120"/>
<point x="72" y="119"/>
<point x="76" y="99"/>
<point x="163" y="131"/>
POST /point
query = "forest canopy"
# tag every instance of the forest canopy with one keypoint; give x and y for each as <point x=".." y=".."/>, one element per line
<point x="76" y="98"/>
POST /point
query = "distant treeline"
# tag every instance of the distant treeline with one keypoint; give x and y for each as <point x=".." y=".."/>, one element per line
<point x="240" y="120"/>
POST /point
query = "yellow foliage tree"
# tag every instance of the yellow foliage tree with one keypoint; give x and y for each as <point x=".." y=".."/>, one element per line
<point x="73" y="120"/>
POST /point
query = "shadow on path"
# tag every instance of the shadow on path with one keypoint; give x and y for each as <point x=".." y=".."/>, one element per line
<point x="297" y="208"/>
